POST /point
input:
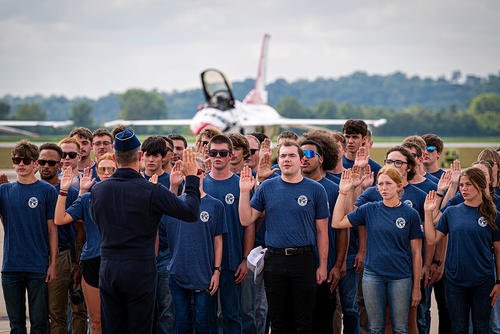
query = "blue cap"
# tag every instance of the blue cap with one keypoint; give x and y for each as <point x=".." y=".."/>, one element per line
<point x="126" y="141"/>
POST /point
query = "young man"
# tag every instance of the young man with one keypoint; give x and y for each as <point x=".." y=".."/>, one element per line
<point x="102" y="142"/>
<point x="296" y="223"/>
<point x="223" y="185"/>
<point x="70" y="156"/>
<point x="313" y="167"/>
<point x="27" y="209"/>
<point x="128" y="229"/>
<point x="432" y="154"/>
<point x="252" y="160"/>
<point x="84" y="137"/>
<point x="166" y="163"/>
<point x="68" y="273"/>
<point x="240" y="152"/>
<point x="355" y="132"/>
<point x="179" y="144"/>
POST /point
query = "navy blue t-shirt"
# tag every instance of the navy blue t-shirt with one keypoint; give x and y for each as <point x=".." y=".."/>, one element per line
<point x="469" y="260"/>
<point x="25" y="209"/>
<point x="94" y="173"/>
<point x="80" y="210"/>
<point x="335" y="178"/>
<point x="389" y="231"/>
<point x="162" y="228"/>
<point x="437" y="174"/>
<point x="192" y="244"/>
<point x="332" y="192"/>
<point x="375" y="167"/>
<point x="426" y="186"/>
<point x="228" y="192"/>
<point x="66" y="233"/>
<point x="412" y="196"/>
<point x="458" y="199"/>
<point x="431" y="177"/>
<point x="291" y="211"/>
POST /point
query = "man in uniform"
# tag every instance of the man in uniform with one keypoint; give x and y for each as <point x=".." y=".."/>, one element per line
<point x="127" y="208"/>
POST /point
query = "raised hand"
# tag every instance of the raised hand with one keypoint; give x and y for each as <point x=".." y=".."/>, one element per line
<point x="362" y="157"/>
<point x="356" y="176"/>
<point x="346" y="181"/>
<point x="247" y="181"/>
<point x="265" y="147"/>
<point x="176" y="176"/>
<point x="189" y="162"/>
<point x="456" y="170"/>
<point x="3" y="178"/>
<point x="430" y="201"/>
<point x="66" y="179"/>
<point x="86" y="180"/>
<point x="367" y="178"/>
<point x="208" y="165"/>
<point x="444" y="182"/>
<point x="264" y="170"/>
<point x="153" y="179"/>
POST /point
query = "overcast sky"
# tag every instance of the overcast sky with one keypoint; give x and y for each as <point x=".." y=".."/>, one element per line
<point x="94" y="47"/>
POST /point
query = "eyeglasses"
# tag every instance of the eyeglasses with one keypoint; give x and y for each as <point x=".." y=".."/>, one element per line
<point x="204" y="143"/>
<point x="253" y="151"/>
<point x="71" y="155"/>
<point x="109" y="170"/>
<point x="25" y="160"/>
<point x="102" y="143"/>
<point x="51" y="163"/>
<point x="396" y="163"/>
<point x="222" y="153"/>
<point x="431" y="149"/>
<point x="311" y="153"/>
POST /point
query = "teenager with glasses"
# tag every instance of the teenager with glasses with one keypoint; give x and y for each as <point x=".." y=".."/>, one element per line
<point x="70" y="156"/>
<point x="296" y="211"/>
<point x="102" y="142"/>
<point x="432" y="153"/>
<point x="393" y="256"/>
<point x="30" y="241"/>
<point x="223" y="185"/>
<point x="473" y="231"/>
<point x="80" y="211"/>
<point x="70" y="241"/>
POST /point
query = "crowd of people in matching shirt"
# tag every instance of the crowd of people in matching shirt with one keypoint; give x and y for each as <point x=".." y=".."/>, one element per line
<point x="153" y="237"/>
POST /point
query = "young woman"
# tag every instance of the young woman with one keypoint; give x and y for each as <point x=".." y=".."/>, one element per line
<point x="393" y="261"/>
<point x="80" y="210"/>
<point x="472" y="229"/>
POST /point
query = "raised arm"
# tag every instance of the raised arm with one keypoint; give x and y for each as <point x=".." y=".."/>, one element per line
<point x="456" y="170"/>
<point x="432" y="236"/>
<point x="346" y="186"/>
<point x="61" y="217"/>
<point x="248" y="215"/>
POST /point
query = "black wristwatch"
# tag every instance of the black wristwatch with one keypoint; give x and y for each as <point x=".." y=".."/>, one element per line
<point x="436" y="262"/>
<point x="218" y="268"/>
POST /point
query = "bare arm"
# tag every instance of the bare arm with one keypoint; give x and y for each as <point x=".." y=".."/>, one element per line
<point x="496" y="288"/>
<point x="214" y="281"/>
<point x="346" y="186"/>
<point x="432" y="237"/>
<point x="416" y="254"/>
<point x="247" y="214"/>
<point x="322" y="242"/>
<point x="53" y="241"/>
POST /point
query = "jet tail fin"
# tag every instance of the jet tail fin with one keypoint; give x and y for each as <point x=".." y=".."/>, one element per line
<point x="258" y="95"/>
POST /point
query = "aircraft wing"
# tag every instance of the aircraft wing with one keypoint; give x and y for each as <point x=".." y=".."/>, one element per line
<point x="54" y="124"/>
<point x="307" y="122"/>
<point x="148" y="122"/>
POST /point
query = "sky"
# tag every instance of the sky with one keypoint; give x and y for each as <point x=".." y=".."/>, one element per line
<point x="93" y="47"/>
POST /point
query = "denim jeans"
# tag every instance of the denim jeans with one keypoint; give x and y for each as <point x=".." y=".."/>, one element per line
<point x="15" y="285"/>
<point x="462" y="301"/>
<point x="186" y="301"/>
<point x="378" y="291"/>
<point x="348" y="288"/>
<point x="424" y="312"/>
<point x="163" y="309"/>
<point x="261" y="306"/>
<point x="229" y="294"/>
<point x="248" y="325"/>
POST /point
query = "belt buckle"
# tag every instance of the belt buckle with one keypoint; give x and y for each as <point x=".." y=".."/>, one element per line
<point x="290" y="251"/>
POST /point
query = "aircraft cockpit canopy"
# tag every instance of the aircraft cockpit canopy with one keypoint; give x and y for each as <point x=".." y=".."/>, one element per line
<point x="217" y="90"/>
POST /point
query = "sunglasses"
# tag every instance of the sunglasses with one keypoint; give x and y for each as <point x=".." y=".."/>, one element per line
<point x="71" y="155"/>
<point x="253" y="151"/>
<point x="17" y="160"/>
<point x="51" y="163"/>
<point x="311" y="153"/>
<point x="396" y="163"/>
<point x="109" y="170"/>
<point x="222" y="153"/>
<point x="431" y="148"/>
<point x="204" y="143"/>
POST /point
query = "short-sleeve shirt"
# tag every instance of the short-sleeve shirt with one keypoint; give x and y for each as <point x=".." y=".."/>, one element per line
<point x="437" y="174"/>
<point x="25" y="209"/>
<point x="389" y="231"/>
<point x="228" y="192"/>
<point x="335" y="178"/>
<point x="291" y="211"/>
<point x="431" y="177"/>
<point x="332" y="192"/>
<point x="426" y="186"/>
<point x="192" y="244"/>
<point x="80" y="210"/>
<point x="469" y="259"/>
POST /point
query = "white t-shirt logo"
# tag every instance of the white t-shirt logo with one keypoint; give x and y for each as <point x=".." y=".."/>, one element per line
<point x="33" y="202"/>
<point x="482" y="222"/>
<point x="302" y="200"/>
<point x="229" y="198"/>
<point x="400" y="222"/>
<point x="204" y="216"/>
<point x="409" y="203"/>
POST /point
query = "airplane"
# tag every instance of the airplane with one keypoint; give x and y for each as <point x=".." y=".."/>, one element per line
<point x="11" y="126"/>
<point x="253" y="114"/>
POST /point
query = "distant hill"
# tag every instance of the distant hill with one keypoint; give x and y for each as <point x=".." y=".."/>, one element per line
<point x="395" y="92"/>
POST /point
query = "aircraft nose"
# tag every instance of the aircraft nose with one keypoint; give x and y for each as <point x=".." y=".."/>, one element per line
<point x="197" y="128"/>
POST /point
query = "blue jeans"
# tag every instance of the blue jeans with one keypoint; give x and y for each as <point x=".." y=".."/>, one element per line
<point x="164" y="309"/>
<point x="229" y="294"/>
<point x="378" y="291"/>
<point x="462" y="301"/>
<point x="15" y="285"/>
<point x="261" y="306"/>
<point x="248" y="305"/>
<point x="424" y="312"/>
<point x="348" y="288"/>
<point x="182" y="299"/>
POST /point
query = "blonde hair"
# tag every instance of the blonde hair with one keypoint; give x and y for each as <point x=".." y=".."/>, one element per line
<point x="394" y="174"/>
<point x="70" y="140"/>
